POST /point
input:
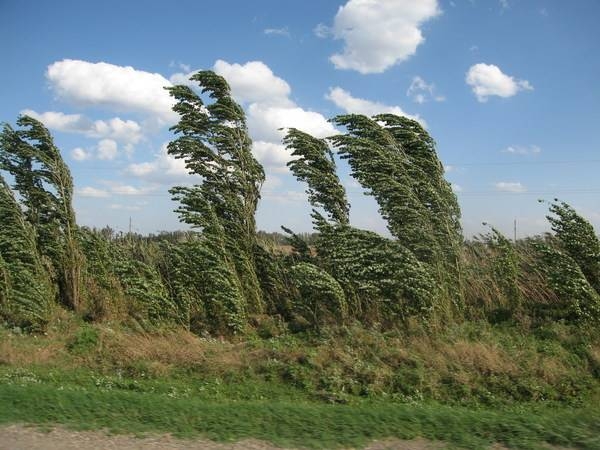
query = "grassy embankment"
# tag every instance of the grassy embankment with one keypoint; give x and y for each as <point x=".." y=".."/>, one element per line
<point x="470" y="386"/>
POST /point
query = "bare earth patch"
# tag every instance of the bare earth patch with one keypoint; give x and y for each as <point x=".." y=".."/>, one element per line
<point x="20" y="437"/>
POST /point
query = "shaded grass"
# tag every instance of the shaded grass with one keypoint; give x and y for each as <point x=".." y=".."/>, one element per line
<point x="297" y="423"/>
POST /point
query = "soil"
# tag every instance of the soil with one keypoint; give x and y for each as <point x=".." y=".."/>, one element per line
<point x="20" y="437"/>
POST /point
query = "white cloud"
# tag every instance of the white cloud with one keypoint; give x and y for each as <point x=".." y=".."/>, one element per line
<point x="127" y="131"/>
<point x="254" y="82"/>
<point x="165" y="169"/>
<point x="353" y="105"/>
<point x="523" y="150"/>
<point x="286" y="197"/>
<point x="510" y="186"/>
<point x="251" y="82"/>
<point x="89" y="191"/>
<point x="115" y="87"/>
<point x="504" y="4"/>
<point x="322" y="31"/>
<point x="487" y="80"/>
<point x="185" y="67"/>
<point x="277" y="32"/>
<point x="456" y="188"/>
<point x="118" y="188"/>
<point x="264" y="122"/>
<point x="379" y="33"/>
<point x="120" y="207"/>
<point x="420" y="91"/>
<point x="272" y="155"/>
<point x="80" y="154"/>
<point x="107" y="149"/>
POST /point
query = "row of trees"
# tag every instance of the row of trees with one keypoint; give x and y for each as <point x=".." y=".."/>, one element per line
<point x="225" y="277"/>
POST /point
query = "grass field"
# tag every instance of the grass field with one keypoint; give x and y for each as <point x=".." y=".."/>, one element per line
<point x="288" y="421"/>
<point x="470" y="387"/>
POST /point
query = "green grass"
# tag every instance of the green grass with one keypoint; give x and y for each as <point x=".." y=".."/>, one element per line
<point x="469" y="386"/>
<point x="285" y="418"/>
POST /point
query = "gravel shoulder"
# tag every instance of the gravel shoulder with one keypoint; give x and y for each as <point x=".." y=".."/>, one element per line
<point x="21" y="437"/>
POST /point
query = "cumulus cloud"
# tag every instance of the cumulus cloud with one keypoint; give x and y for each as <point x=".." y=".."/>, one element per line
<point x="378" y="33"/>
<point x="80" y="154"/>
<point x="487" y="80"/>
<point x="107" y="149"/>
<point x="163" y="169"/>
<point x="272" y="155"/>
<point x="115" y="87"/>
<point x="265" y="121"/>
<point x="254" y="82"/>
<point x="420" y="91"/>
<point x="510" y="186"/>
<point x="127" y="131"/>
<point x="354" y="105"/>
<point x="523" y="150"/>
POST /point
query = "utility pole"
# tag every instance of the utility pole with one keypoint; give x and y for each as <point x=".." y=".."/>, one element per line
<point x="515" y="231"/>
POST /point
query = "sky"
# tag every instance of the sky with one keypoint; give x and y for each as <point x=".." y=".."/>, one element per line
<point x="509" y="89"/>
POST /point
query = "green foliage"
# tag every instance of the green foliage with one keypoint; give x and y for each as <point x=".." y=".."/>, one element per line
<point x="147" y="296"/>
<point x="395" y="160"/>
<point x="383" y="280"/>
<point x="214" y="143"/>
<point x="578" y="239"/>
<point x="84" y="342"/>
<point x="314" y="164"/>
<point x="505" y="267"/>
<point x="25" y="289"/>
<point x="577" y="299"/>
<point x="45" y="187"/>
<point x="322" y="299"/>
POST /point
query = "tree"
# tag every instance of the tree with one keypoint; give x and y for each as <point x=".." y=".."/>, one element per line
<point x="382" y="279"/>
<point x="25" y="288"/>
<point x="45" y="188"/>
<point x="213" y="141"/>
<point x="578" y="239"/>
<point x="395" y="160"/>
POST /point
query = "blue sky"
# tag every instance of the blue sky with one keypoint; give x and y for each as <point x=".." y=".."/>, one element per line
<point x="510" y="90"/>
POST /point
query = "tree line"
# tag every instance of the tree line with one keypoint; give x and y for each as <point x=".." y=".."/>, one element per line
<point x="224" y="277"/>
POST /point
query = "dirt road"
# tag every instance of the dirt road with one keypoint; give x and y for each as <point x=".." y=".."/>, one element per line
<point x="19" y="437"/>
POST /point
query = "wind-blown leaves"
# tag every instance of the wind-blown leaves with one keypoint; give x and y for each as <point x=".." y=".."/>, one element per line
<point x="25" y="289"/>
<point x="45" y="186"/>
<point x="394" y="159"/>
<point x="321" y="298"/>
<point x="315" y="166"/>
<point x="214" y="143"/>
<point x="578" y="239"/>
<point x="383" y="280"/>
